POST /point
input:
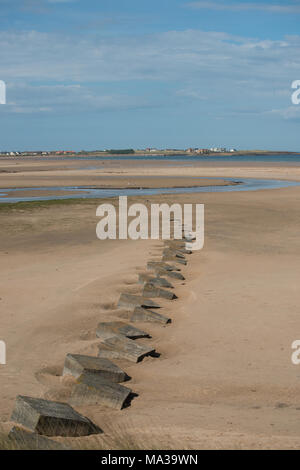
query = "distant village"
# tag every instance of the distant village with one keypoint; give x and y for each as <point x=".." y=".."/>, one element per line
<point x="153" y="151"/>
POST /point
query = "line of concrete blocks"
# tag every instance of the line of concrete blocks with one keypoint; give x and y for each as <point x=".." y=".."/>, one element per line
<point x="98" y="382"/>
<point x="117" y="338"/>
<point x="98" y="378"/>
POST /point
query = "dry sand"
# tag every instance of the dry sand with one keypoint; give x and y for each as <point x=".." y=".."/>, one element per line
<point x="224" y="378"/>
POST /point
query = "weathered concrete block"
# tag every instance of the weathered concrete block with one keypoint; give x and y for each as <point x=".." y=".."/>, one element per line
<point x="146" y="315"/>
<point x="172" y="274"/>
<point x="160" y="264"/>
<point x="25" y="440"/>
<point x="180" y="248"/>
<point x="120" y="347"/>
<point x="77" y="364"/>
<point x="131" y="301"/>
<point x="174" y="259"/>
<point x="175" y="275"/>
<point x="108" y="329"/>
<point x="156" y="281"/>
<point x="175" y="243"/>
<point x="188" y="238"/>
<point x="173" y="252"/>
<point x="93" y="389"/>
<point x="51" y="418"/>
<point x="185" y="251"/>
<point x="152" y="291"/>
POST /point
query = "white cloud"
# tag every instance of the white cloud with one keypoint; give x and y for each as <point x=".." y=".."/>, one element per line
<point x="30" y="99"/>
<point x="165" y="56"/>
<point x="61" y="1"/>
<point x="191" y="93"/>
<point x="291" y="113"/>
<point x="220" y="67"/>
<point x="240" y="7"/>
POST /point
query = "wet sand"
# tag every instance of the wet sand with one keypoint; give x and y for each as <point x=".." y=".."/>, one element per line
<point x="224" y="378"/>
<point x="40" y="193"/>
<point x="114" y="175"/>
<point x="30" y="173"/>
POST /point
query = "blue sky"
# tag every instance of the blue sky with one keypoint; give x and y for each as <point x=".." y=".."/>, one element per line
<point x="94" y="74"/>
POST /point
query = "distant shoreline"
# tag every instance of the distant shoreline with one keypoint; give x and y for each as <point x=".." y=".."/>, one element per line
<point x="244" y="153"/>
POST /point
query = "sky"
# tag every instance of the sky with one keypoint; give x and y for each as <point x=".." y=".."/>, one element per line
<point x="101" y="74"/>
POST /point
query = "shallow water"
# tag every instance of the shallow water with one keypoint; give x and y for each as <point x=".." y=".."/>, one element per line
<point x="282" y="158"/>
<point x="245" y="184"/>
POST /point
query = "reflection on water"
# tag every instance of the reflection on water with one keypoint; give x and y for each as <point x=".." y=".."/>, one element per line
<point x="245" y="184"/>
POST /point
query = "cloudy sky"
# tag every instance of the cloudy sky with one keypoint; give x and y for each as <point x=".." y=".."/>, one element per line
<point x="93" y="74"/>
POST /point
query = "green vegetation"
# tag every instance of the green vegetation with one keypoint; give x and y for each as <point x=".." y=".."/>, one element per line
<point x="120" y="151"/>
<point x="6" y="207"/>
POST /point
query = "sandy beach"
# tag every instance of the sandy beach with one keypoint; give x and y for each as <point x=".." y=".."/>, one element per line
<point x="224" y="378"/>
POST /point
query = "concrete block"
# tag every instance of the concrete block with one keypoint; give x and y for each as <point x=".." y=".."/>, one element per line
<point x="161" y="264"/>
<point x="175" y="243"/>
<point x="152" y="291"/>
<point x="178" y="248"/>
<point x="172" y="274"/>
<point x="108" y="329"/>
<point x="188" y="238"/>
<point x="77" y="364"/>
<point x="132" y="301"/>
<point x="51" y="418"/>
<point x="174" y="259"/>
<point x="173" y="252"/>
<point x="93" y="389"/>
<point x="145" y="315"/>
<point x="175" y="275"/>
<point x="185" y="251"/>
<point x="120" y="347"/>
<point x="25" y="440"/>
<point x="156" y="281"/>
